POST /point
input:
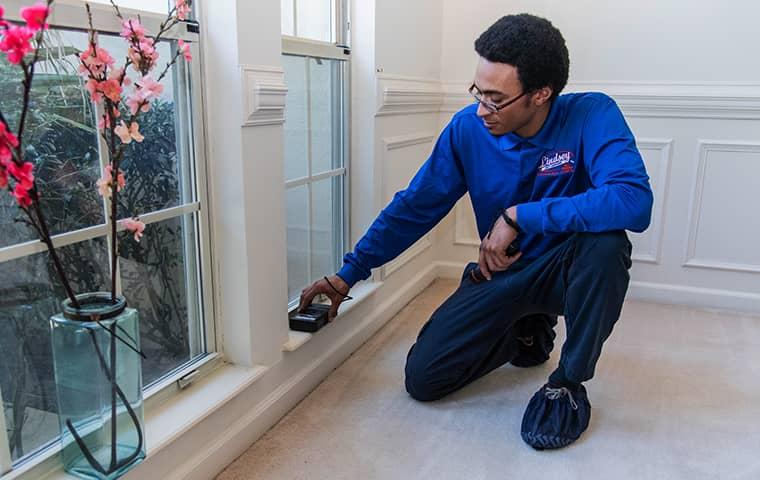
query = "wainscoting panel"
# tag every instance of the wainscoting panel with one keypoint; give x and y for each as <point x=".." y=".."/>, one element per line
<point x="402" y="157"/>
<point x="465" y="228"/>
<point x="656" y="154"/>
<point x="723" y="228"/>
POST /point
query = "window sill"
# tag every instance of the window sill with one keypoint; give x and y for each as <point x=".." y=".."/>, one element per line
<point x="168" y="421"/>
<point x="183" y="411"/>
<point x="360" y="293"/>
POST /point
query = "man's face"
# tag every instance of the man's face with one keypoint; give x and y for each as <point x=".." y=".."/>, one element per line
<point x="499" y="83"/>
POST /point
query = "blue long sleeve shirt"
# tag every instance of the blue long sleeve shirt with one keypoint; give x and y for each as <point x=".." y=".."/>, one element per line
<point x="581" y="172"/>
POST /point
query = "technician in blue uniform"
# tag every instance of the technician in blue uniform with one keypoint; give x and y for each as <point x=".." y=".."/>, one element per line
<point x="559" y="177"/>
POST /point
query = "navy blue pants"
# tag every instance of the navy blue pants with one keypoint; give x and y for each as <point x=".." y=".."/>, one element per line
<point x="475" y="330"/>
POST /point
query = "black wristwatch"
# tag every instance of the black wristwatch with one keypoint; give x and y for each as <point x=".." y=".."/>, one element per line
<point x="511" y="222"/>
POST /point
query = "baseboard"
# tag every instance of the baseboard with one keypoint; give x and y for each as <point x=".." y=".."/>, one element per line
<point x="695" y="297"/>
<point x="220" y="451"/>
<point x="450" y="270"/>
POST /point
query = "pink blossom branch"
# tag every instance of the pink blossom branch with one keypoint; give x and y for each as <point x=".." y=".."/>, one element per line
<point x="40" y="224"/>
<point x="118" y="12"/>
<point x="111" y="144"/>
<point x="169" y="65"/>
<point x="29" y="75"/>
<point x="114" y="206"/>
<point x="143" y="59"/>
<point x="167" y="24"/>
<point x="118" y="154"/>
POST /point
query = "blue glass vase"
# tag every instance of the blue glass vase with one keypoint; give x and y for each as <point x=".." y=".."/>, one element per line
<point x="98" y="375"/>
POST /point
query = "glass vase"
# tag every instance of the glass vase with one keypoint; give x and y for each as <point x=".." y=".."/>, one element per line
<point x="98" y="375"/>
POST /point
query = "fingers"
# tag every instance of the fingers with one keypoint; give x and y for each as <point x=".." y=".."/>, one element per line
<point x="497" y="262"/>
<point x="514" y="258"/>
<point x="316" y="288"/>
<point x="495" y="258"/>
<point x="491" y="264"/>
<point x="333" y="312"/>
<point x="491" y="261"/>
<point x="307" y="295"/>
<point x="484" y="266"/>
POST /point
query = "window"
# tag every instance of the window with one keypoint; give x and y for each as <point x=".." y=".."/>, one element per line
<point x="165" y="276"/>
<point x="316" y="68"/>
<point x="312" y="19"/>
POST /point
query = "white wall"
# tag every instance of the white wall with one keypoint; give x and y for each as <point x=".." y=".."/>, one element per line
<point x="644" y="41"/>
<point x="685" y="76"/>
<point x="409" y="37"/>
<point x="405" y="110"/>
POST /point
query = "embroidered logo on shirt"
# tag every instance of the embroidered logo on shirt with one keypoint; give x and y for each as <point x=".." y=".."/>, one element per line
<point x="556" y="163"/>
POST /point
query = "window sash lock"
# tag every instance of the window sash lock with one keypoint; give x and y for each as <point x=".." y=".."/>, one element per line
<point x="187" y="380"/>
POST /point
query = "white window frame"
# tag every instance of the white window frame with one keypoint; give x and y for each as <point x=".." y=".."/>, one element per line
<point x="337" y="50"/>
<point x="71" y="14"/>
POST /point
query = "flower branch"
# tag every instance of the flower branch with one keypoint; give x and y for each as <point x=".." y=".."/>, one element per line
<point x="16" y="43"/>
<point x="106" y="85"/>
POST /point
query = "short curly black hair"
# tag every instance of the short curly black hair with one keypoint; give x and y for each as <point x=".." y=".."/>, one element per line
<point x="533" y="45"/>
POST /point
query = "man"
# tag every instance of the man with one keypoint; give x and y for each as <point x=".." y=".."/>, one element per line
<point x="557" y="178"/>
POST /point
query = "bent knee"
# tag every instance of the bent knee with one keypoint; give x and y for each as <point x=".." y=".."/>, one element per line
<point x="606" y="246"/>
<point x="420" y="391"/>
<point x="422" y="383"/>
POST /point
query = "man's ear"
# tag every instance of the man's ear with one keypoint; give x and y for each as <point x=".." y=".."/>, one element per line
<point x="542" y="96"/>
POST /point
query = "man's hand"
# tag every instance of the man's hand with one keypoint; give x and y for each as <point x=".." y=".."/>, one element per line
<point x="493" y="248"/>
<point x="321" y="286"/>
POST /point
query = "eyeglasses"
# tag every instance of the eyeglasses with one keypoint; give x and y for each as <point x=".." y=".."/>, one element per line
<point x="491" y="107"/>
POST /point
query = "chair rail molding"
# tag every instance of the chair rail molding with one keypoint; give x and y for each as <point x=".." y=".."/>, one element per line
<point x="401" y="95"/>
<point x="718" y="100"/>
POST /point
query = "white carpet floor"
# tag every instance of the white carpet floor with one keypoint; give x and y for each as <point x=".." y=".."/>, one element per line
<point x="676" y="396"/>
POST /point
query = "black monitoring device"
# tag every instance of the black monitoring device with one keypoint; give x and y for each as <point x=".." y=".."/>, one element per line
<point x="311" y="319"/>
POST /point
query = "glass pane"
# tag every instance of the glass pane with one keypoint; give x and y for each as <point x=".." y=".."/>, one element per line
<point x="327" y="226"/>
<point x="314" y="19"/>
<point x="325" y="105"/>
<point x="60" y="139"/>
<point x="287" y="17"/>
<point x="313" y="116"/>
<point x="152" y="169"/>
<point x="30" y="294"/>
<point x="159" y="278"/>
<point x="298" y="240"/>
<point x="296" y="134"/>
